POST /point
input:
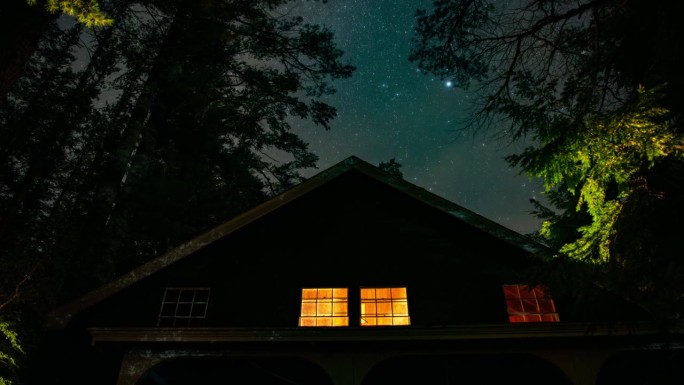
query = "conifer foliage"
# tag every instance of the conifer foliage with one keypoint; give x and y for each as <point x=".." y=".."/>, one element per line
<point x="85" y="11"/>
<point x="594" y="86"/>
<point x="121" y="142"/>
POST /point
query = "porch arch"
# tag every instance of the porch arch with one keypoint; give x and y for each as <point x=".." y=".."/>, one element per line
<point x="236" y="370"/>
<point x="662" y="366"/>
<point x="447" y="369"/>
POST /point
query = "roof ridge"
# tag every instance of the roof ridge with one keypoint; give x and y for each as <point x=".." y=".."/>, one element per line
<point x="61" y="316"/>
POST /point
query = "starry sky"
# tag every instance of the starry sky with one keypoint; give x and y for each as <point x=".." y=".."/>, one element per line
<point x="388" y="109"/>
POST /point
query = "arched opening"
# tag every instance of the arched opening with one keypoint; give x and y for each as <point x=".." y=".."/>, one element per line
<point x="655" y="366"/>
<point x="239" y="370"/>
<point x="447" y="369"/>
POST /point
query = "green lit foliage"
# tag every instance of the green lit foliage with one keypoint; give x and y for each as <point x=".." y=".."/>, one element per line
<point x="85" y="11"/>
<point x="604" y="168"/>
<point x="10" y="348"/>
<point x="595" y="89"/>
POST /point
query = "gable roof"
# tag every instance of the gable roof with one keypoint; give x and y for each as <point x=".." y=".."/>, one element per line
<point x="62" y="315"/>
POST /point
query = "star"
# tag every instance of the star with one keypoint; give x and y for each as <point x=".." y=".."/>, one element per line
<point x="390" y="108"/>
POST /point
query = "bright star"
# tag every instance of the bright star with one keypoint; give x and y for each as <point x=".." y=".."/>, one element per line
<point x="449" y="84"/>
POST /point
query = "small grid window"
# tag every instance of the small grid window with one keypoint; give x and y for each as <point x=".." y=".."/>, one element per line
<point x="324" y="307"/>
<point x="527" y="304"/>
<point x="384" y="306"/>
<point x="184" y="306"/>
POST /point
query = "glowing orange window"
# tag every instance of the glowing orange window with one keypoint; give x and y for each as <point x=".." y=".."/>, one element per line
<point x="324" y="307"/>
<point x="384" y="306"/>
<point x="527" y="304"/>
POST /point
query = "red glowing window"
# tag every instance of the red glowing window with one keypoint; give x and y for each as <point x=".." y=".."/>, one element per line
<point x="527" y="304"/>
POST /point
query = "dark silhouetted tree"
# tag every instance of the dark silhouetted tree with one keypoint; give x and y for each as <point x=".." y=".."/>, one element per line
<point x="23" y="24"/>
<point x="122" y="142"/>
<point x="392" y="167"/>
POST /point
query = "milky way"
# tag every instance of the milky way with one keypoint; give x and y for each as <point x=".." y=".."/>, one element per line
<point x="388" y="109"/>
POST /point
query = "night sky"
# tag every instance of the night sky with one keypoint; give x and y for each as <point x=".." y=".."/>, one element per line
<point x="388" y="109"/>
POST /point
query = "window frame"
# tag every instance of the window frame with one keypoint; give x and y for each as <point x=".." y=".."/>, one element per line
<point x="197" y="307"/>
<point x="384" y="306"/>
<point x="326" y="307"/>
<point x="527" y="305"/>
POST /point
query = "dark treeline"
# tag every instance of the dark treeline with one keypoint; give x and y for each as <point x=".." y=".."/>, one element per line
<point x="119" y="143"/>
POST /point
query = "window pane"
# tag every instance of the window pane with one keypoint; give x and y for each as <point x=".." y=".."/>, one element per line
<point x="384" y="306"/>
<point x="324" y="321"/>
<point x="183" y="303"/>
<point x="324" y="293"/>
<point x="324" y="307"/>
<point x="183" y="310"/>
<point x="546" y="306"/>
<point x="538" y="292"/>
<point x="383" y="293"/>
<point x="171" y="295"/>
<point x="341" y="321"/>
<point x="514" y="306"/>
<point x="399" y="293"/>
<point x="307" y="321"/>
<point x="531" y="292"/>
<point x="367" y="293"/>
<point x="308" y="309"/>
<point x="516" y="318"/>
<point x="399" y="308"/>
<point x="340" y="309"/>
<point x="368" y="309"/>
<point x="309" y="293"/>
<point x="199" y="310"/>
<point x="187" y="296"/>
<point x="529" y="304"/>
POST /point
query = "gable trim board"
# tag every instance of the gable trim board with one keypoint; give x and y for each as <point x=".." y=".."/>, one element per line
<point x="60" y="317"/>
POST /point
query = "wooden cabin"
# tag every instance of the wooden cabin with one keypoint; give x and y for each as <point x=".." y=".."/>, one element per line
<point x="353" y="277"/>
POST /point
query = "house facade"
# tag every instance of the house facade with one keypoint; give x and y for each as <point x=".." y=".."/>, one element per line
<point x="353" y="277"/>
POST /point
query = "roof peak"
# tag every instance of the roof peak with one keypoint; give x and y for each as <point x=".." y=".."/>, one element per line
<point x="61" y="316"/>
